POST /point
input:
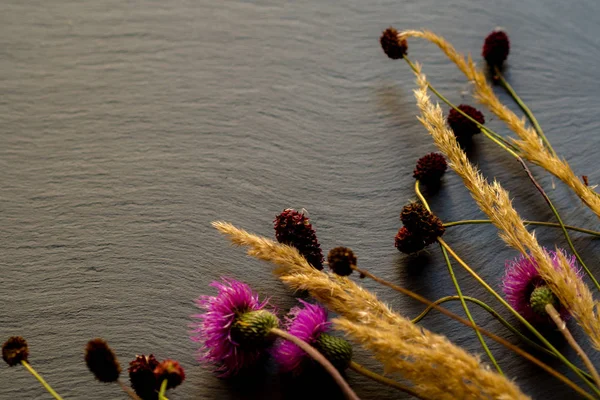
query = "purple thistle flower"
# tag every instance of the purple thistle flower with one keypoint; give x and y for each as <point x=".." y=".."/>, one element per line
<point x="214" y="328"/>
<point x="522" y="278"/>
<point x="307" y="323"/>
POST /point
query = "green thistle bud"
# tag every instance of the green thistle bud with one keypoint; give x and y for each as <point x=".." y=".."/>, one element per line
<point x="541" y="296"/>
<point x="337" y="350"/>
<point x="253" y="328"/>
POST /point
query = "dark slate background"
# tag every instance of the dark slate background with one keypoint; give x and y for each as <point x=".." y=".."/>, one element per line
<point x="127" y="127"/>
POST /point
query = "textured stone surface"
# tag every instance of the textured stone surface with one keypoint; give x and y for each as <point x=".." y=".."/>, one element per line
<point x="127" y="127"/>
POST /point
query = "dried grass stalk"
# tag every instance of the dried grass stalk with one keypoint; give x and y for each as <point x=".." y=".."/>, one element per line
<point x="451" y="372"/>
<point x="530" y="144"/>
<point x="495" y="202"/>
<point x="395" y="347"/>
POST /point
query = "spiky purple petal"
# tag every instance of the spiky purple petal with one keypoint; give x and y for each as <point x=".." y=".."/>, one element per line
<point x="306" y="323"/>
<point x="213" y="330"/>
<point x="522" y="277"/>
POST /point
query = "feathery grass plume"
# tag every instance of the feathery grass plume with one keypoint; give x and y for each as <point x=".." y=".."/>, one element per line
<point x="530" y="144"/>
<point x="362" y="308"/>
<point x="493" y="200"/>
<point x="439" y="368"/>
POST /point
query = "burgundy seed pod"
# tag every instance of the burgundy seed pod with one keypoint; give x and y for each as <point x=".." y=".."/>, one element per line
<point x="15" y="350"/>
<point x="171" y="371"/>
<point x="496" y="48"/>
<point x="294" y="229"/>
<point x="430" y="168"/>
<point x="422" y="222"/>
<point x="341" y="260"/>
<point x="142" y="378"/>
<point x="408" y="242"/>
<point x="392" y="46"/>
<point x="101" y="360"/>
<point x="463" y="127"/>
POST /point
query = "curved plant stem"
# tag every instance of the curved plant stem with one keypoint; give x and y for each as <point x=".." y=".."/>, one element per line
<point x="497" y="316"/>
<point x="490" y="310"/>
<point x="562" y="327"/>
<point x="33" y="372"/>
<point x="382" y="379"/>
<point x="130" y="392"/>
<point x="526" y="110"/>
<point x="451" y="105"/>
<point x="519" y="317"/>
<point x="540" y="223"/>
<point x="318" y="357"/>
<point x="459" y="292"/>
<point x="500" y="141"/>
<point x="163" y="389"/>
<point x="492" y="336"/>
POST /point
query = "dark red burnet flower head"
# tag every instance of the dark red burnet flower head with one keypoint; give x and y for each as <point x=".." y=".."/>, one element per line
<point x="142" y="378"/>
<point x="496" y="48"/>
<point x="15" y="350"/>
<point x="421" y="222"/>
<point x="407" y="242"/>
<point x="394" y="47"/>
<point x="101" y="360"/>
<point x="171" y="371"/>
<point x="463" y="127"/>
<point x="294" y="229"/>
<point x="430" y="168"/>
<point x="340" y="260"/>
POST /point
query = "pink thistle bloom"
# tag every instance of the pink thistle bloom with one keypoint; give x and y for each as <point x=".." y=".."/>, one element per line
<point x="213" y="330"/>
<point x="522" y="278"/>
<point x="308" y="324"/>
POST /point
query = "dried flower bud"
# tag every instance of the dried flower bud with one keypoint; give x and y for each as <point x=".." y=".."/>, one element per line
<point x="101" y="360"/>
<point x="463" y="127"/>
<point x="430" y="168"/>
<point x="337" y="350"/>
<point x="340" y="260"/>
<point x="540" y="297"/>
<point x="15" y="350"/>
<point x="171" y="371"/>
<point x="407" y="242"/>
<point x="495" y="48"/>
<point x="294" y="229"/>
<point x="422" y="222"/>
<point x="142" y="378"/>
<point x="394" y="47"/>
<point x="252" y="330"/>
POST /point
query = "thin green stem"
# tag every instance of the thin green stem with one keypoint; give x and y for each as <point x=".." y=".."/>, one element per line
<point x="382" y="379"/>
<point x="500" y="141"/>
<point x="490" y="310"/>
<point x="459" y="291"/>
<point x="320" y="358"/>
<point x="463" y="321"/>
<point x="519" y="317"/>
<point x="525" y="109"/>
<point x="562" y="328"/>
<point x="33" y="372"/>
<point x="163" y="389"/>
<point x="490" y="133"/>
<point x="494" y="314"/>
<point x="540" y="223"/>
